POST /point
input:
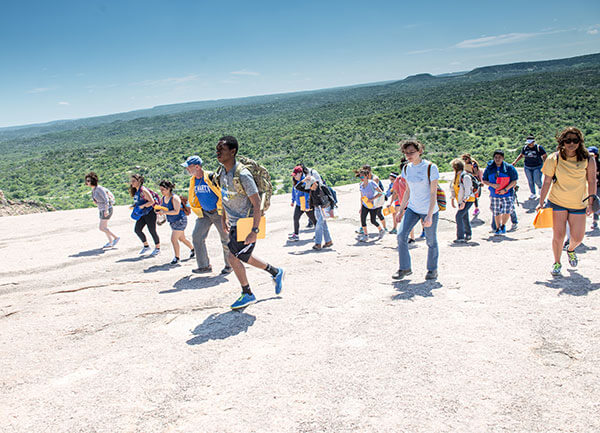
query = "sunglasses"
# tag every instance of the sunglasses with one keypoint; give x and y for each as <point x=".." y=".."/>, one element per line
<point x="571" y="140"/>
<point x="410" y="153"/>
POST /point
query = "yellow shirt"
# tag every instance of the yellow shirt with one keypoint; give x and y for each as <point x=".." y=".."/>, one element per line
<point x="570" y="187"/>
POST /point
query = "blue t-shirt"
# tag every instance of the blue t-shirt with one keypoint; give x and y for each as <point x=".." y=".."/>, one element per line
<point x="208" y="199"/>
<point x="533" y="155"/>
<point x="369" y="190"/>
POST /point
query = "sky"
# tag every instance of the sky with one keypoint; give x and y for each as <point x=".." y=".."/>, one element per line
<point x="81" y="58"/>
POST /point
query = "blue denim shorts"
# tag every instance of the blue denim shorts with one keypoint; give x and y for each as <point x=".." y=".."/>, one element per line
<point x="558" y="208"/>
<point x="179" y="224"/>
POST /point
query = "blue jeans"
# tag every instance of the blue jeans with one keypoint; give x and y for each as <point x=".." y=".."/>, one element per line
<point x="321" y="229"/>
<point x="410" y="220"/>
<point x="463" y="224"/>
<point x="534" y="177"/>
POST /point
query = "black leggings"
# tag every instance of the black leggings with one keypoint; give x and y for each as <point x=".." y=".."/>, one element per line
<point x="298" y="213"/>
<point x="364" y="211"/>
<point x="379" y="212"/>
<point x="149" y="220"/>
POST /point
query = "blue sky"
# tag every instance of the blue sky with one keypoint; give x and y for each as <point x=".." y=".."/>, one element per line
<point x="72" y="59"/>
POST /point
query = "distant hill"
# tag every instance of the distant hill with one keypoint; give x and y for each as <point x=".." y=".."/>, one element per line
<point x="334" y="130"/>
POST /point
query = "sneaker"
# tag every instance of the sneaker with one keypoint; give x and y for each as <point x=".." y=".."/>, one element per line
<point x="144" y="250"/>
<point x="422" y="234"/>
<point x="174" y="261"/>
<point x="533" y="196"/>
<point x="459" y="241"/>
<point x="192" y="254"/>
<point x="226" y="270"/>
<point x="411" y="241"/>
<point x="468" y="238"/>
<point x="107" y="245"/>
<point x="393" y="232"/>
<point x="360" y="231"/>
<point x="278" y="280"/>
<point x="556" y="267"/>
<point x="381" y="233"/>
<point x="572" y="258"/>
<point x="431" y="275"/>
<point x="243" y="301"/>
<point x="503" y="230"/>
<point x="497" y="232"/>
<point x="310" y="225"/>
<point x="155" y="252"/>
<point x="594" y="225"/>
<point x="363" y="238"/>
<point x="317" y="247"/>
<point x="115" y="241"/>
<point x="203" y="270"/>
<point x="566" y="244"/>
<point x="293" y="237"/>
<point x="401" y="274"/>
<point x="514" y="227"/>
<point x="327" y="244"/>
<point x="476" y="212"/>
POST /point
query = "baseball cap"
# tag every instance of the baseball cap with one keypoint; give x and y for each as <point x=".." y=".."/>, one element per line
<point x="297" y="169"/>
<point x="593" y="149"/>
<point x="192" y="160"/>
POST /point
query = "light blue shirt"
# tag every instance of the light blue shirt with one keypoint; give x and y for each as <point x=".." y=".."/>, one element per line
<point x="419" y="185"/>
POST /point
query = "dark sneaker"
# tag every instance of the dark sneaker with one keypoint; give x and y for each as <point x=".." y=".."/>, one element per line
<point x="192" y="254"/>
<point x="310" y="225"/>
<point x="226" y="270"/>
<point x="572" y="258"/>
<point x="556" y="268"/>
<point x="503" y="230"/>
<point x="411" y="241"/>
<point x="459" y="241"/>
<point x="401" y="274"/>
<point x="317" y="247"/>
<point x="293" y="237"/>
<point x="431" y="275"/>
<point x="243" y="301"/>
<point x="278" y="280"/>
<point x="468" y="238"/>
<point x="327" y="244"/>
<point x="174" y="261"/>
<point x="204" y="270"/>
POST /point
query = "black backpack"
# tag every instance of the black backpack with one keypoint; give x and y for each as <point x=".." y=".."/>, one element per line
<point x="474" y="181"/>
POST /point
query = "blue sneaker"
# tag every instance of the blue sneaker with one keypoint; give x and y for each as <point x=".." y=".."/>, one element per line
<point x="243" y="301"/>
<point x="278" y="280"/>
<point x="503" y="230"/>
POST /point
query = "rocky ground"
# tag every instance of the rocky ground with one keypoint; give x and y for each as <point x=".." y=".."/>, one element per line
<point x="107" y="341"/>
<point x="12" y="207"/>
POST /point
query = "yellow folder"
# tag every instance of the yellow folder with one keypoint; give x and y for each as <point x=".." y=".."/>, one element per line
<point x="303" y="203"/>
<point x="388" y="210"/>
<point x="244" y="226"/>
<point x="365" y="200"/>
<point x="543" y="218"/>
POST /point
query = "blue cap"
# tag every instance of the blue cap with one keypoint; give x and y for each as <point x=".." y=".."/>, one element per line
<point x="593" y="149"/>
<point x="192" y="160"/>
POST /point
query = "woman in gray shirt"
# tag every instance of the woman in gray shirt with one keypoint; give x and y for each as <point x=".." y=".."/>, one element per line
<point x="104" y="200"/>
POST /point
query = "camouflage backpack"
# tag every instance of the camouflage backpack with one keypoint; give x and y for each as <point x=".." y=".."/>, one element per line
<point x="261" y="176"/>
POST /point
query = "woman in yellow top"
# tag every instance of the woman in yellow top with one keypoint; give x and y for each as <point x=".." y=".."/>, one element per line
<point x="570" y="175"/>
<point x="462" y="190"/>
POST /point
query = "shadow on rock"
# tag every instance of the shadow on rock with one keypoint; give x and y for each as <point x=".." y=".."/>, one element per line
<point x="189" y="283"/>
<point x="574" y="285"/>
<point x="297" y="243"/>
<point x="408" y="290"/>
<point x="530" y="205"/>
<point x="497" y="239"/>
<point x="476" y="222"/>
<point x="583" y="248"/>
<point x="221" y="326"/>
<point x="89" y="253"/>
<point x="159" y="268"/>
<point x="593" y="233"/>
<point x="133" y="259"/>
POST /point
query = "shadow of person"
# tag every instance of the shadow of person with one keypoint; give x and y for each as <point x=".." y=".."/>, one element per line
<point x="501" y="238"/>
<point x="574" y="285"/>
<point x="593" y="233"/>
<point x="89" y="253"/>
<point x="219" y="326"/>
<point x="583" y="248"/>
<point x="133" y="259"/>
<point x="189" y="283"/>
<point x="299" y="243"/>
<point x="476" y="222"/>
<point x="159" y="268"/>
<point x="408" y="290"/>
<point x="530" y="205"/>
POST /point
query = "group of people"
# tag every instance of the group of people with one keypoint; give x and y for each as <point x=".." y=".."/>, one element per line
<point x="571" y="177"/>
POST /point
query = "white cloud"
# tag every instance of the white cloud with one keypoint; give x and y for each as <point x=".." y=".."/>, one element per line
<point x="39" y="90"/>
<point x="168" y="81"/>
<point x="245" y="72"/>
<point x="63" y="103"/>
<point x="411" y="53"/>
<point x="593" y="32"/>
<point x="490" y="41"/>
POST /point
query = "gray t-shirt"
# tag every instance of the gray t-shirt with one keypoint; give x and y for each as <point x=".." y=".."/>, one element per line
<point x="237" y="205"/>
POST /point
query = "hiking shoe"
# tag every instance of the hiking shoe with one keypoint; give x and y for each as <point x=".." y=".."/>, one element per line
<point x="503" y="230"/>
<point x="107" y="245"/>
<point x="317" y="247"/>
<point x="278" y="280"/>
<point x="226" y="270"/>
<point x="363" y="238"/>
<point x="401" y="274"/>
<point x="556" y="268"/>
<point x="431" y="275"/>
<point x="115" y="241"/>
<point x="144" y="250"/>
<point x="572" y="258"/>
<point x="243" y="301"/>
<point x="155" y="252"/>
<point x="360" y="231"/>
<point x="293" y="237"/>
<point x="393" y="232"/>
<point x="192" y="253"/>
<point x="475" y="212"/>
<point x="203" y="270"/>
<point x="459" y="241"/>
<point x="327" y="244"/>
<point x="174" y="261"/>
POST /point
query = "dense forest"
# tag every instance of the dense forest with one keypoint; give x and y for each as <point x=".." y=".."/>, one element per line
<point x="335" y="130"/>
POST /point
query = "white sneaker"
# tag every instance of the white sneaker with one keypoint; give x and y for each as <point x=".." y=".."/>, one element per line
<point x="533" y="196"/>
<point x="144" y="250"/>
<point x="115" y="241"/>
<point x="107" y="245"/>
<point x="155" y="252"/>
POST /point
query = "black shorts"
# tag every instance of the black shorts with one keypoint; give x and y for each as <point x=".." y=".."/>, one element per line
<point x="238" y="249"/>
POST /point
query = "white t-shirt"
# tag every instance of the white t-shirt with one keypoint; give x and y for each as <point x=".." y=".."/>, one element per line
<point x="419" y="185"/>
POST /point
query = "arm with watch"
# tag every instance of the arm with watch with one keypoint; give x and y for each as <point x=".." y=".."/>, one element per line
<point x="257" y="214"/>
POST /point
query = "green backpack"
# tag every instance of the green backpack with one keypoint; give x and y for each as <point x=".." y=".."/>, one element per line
<point x="261" y="176"/>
